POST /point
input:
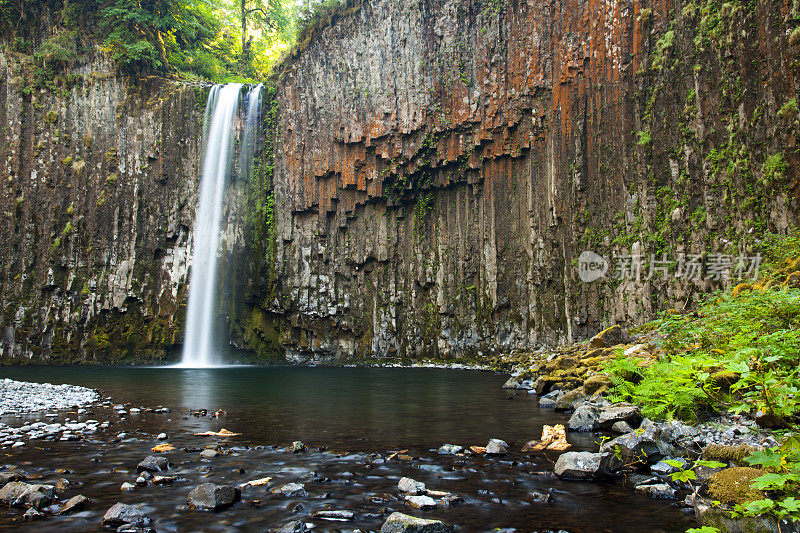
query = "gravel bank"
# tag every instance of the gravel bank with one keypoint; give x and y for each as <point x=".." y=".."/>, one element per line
<point x="23" y="397"/>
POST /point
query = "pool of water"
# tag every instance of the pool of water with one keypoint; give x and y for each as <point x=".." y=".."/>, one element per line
<point x="359" y="416"/>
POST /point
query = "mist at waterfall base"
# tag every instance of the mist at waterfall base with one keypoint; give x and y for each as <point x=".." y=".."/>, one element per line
<point x="222" y="126"/>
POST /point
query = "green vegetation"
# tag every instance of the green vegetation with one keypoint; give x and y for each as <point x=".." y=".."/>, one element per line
<point x="738" y="352"/>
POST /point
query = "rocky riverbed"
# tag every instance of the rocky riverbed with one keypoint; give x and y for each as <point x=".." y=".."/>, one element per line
<point x="139" y="468"/>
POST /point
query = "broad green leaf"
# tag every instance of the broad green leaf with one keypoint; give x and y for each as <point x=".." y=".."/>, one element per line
<point x="768" y="458"/>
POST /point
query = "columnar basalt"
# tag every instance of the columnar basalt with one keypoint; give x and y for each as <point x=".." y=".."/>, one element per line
<point x="98" y="186"/>
<point x="440" y="165"/>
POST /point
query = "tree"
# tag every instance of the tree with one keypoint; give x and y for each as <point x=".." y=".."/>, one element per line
<point x="268" y="14"/>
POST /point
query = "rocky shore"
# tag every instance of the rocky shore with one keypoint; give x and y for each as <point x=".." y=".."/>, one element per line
<point x="645" y="455"/>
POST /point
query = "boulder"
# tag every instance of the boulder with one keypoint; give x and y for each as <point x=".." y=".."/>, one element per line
<point x="291" y="490"/>
<point x="663" y="469"/>
<point x="450" y="449"/>
<point x="568" y="400"/>
<point x="660" y="491"/>
<point x="619" y="412"/>
<point x="421" y="502"/>
<point x="211" y="496"/>
<point x="609" y="337"/>
<point x="410" y="486"/>
<point x="595" y="383"/>
<point x="21" y="494"/>
<point x="6" y="477"/>
<point x="496" y="447"/>
<point x="586" y="465"/>
<point x="122" y="514"/>
<point x="153" y="463"/>
<point x="76" y="503"/>
<point x="621" y="427"/>
<point x="585" y="418"/>
<point x="295" y="526"/>
<point x="403" y="523"/>
<point x="512" y="383"/>
<point x="127" y="487"/>
<point x="637" y="447"/>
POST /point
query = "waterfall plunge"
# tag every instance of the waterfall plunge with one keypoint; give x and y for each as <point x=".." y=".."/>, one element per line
<point x="220" y="130"/>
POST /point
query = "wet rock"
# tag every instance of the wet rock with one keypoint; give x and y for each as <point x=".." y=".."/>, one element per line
<point x="541" y="497"/>
<point x="621" y="427"/>
<point x="291" y="490"/>
<point x="208" y="454"/>
<point x="512" y="383"/>
<point x="153" y="463"/>
<point x="496" y="447"/>
<point x="609" y="337"/>
<point x="32" y="514"/>
<point x="335" y="515"/>
<point x="585" y="418"/>
<point x="295" y="526"/>
<point x="6" y="477"/>
<point x="127" y="487"/>
<point x="449" y="501"/>
<point x="660" y="491"/>
<point x="421" y="502"/>
<point x="211" y="496"/>
<point x="586" y="465"/>
<point x="547" y="402"/>
<point x="663" y="469"/>
<point x="568" y="400"/>
<point x="162" y="480"/>
<point x="410" y="486"/>
<point x="76" y="503"/>
<point x="122" y="514"/>
<point x="19" y="494"/>
<point x="403" y="523"/>
<point x="161" y="436"/>
<point x="450" y="449"/>
<point x="297" y="447"/>
<point x="141" y="480"/>
<point x="619" y="412"/>
<point x="639" y="446"/>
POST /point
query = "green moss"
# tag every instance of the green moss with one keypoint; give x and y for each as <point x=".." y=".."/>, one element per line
<point x="727" y="453"/>
<point x="732" y="485"/>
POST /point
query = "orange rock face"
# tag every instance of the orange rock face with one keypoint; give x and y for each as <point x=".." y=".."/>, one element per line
<point x="442" y="164"/>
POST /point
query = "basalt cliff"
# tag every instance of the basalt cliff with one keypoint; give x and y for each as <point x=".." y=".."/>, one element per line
<point x="428" y="175"/>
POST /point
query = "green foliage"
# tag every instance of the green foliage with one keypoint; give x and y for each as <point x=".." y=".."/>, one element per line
<point x="644" y="138"/>
<point x="781" y="482"/>
<point x="774" y="169"/>
<point x="739" y="352"/>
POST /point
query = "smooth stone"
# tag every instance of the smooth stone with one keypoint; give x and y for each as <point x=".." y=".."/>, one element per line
<point x="296" y="526"/>
<point x="421" y="502"/>
<point x="586" y="465"/>
<point x="403" y="523"/>
<point x="337" y="515"/>
<point x="161" y="436"/>
<point x="621" y="427"/>
<point x="211" y="496"/>
<point x="153" y="463"/>
<point x="496" y="447"/>
<point x="121" y="514"/>
<point x="410" y="486"/>
<point x="291" y="489"/>
<point x="660" y="491"/>
<point x="163" y="480"/>
<point x="619" y="412"/>
<point x="450" y="449"/>
<point x="127" y="487"/>
<point x="76" y="503"/>
<point x="209" y="454"/>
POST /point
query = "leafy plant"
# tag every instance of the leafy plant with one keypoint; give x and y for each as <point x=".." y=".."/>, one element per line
<point x="781" y="482"/>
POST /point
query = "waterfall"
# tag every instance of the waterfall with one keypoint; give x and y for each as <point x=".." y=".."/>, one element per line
<point x="220" y="130"/>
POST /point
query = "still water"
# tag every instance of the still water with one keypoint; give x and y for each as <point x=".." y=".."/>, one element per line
<point x="359" y="416"/>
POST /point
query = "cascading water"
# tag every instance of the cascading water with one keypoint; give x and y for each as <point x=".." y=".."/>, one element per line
<point x="220" y="129"/>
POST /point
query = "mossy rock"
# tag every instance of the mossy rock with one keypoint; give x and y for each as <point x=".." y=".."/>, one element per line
<point x="609" y="337"/>
<point x="740" y="288"/>
<point x="596" y="382"/>
<point x="732" y="485"/>
<point x="591" y="361"/>
<point x="724" y="379"/>
<point x="566" y="362"/>
<point x="727" y="453"/>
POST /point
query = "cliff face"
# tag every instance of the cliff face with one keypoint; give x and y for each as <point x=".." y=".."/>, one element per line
<point x="430" y="172"/>
<point x="441" y="164"/>
<point x="98" y="186"/>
